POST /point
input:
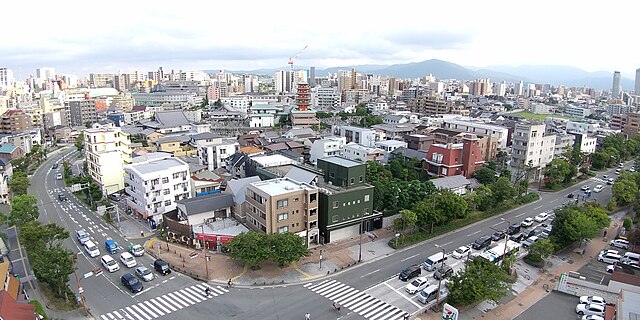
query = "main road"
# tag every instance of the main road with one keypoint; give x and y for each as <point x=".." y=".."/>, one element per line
<point x="178" y="296"/>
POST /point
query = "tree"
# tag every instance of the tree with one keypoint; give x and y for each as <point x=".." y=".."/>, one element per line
<point x="36" y="235"/>
<point x="627" y="223"/>
<point x="485" y="175"/>
<point x="407" y="219"/>
<point x="502" y="157"/>
<point x="450" y="205"/>
<point x="541" y="249"/>
<point x="575" y="223"/>
<point x="23" y="209"/>
<point x="624" y="191"/>
<point x="481" y="280"/>
<point x="250" y="247"/>
<point x="19" y="183"/>
<point x="52" y="266"/>
<point x="483" y="198"/>
<point x="286" y="248"/>
<point x="599" y="160"/>
<point x="556" y="172"/>
<point x="502" y="190"/>
<point x="80" y="141"/>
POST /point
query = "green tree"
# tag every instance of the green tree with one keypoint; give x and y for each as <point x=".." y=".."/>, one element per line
<point x="80" y="141"/>
<point x="205" y="102"/>
<point x="323" y="115"/>
<point x="599" y="160"/>
<point x="502" y="190"/>
<point x="450" y="205"/>
<point x="627" y="223"/>
<point x="575" y="223"/>
<point x="481" y="280"/>
<point x="53" y="266"/>
<point x="624" y="190"/>
<point x="23" y="209"/>
<point x="407" y="219"/>
<point x="483" y="198"/>
<point x="556" y="172"/>
<point x="19" y="183"/>
<point x="286" y="248"/>
<point x="485" y="175"/>
<point x="250" y="247"/>
<point x="36" y="235"/>
<point x="541" y="249"/>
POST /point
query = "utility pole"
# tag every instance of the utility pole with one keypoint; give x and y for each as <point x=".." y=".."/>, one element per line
<point x="204" y="251"/>
<point x="80" y="289"/>
<point x="361" y="232"/>
<point x="441" y="276"/>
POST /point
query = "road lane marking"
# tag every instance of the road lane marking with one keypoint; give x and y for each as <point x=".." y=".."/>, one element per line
<point x="554" y="200"/>
<point x="538" y="207"/>
<point x="370" y="273"/>
<point x="519" y="215"/>
<point x="469" y="235"/>
<point x="408" y="258"/>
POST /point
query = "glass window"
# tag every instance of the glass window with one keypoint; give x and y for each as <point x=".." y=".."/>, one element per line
<point x="334" y="218"/>
<point x="283" y="229"/>
<point x="283" y="216"/>
<point x="335" y="204"/>
<point x="282" y="203"/>
<point x="366" y="197"/>
<point x="167" y="203"/>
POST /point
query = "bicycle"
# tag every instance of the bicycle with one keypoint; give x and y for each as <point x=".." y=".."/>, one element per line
<point x="230" y="284"/>
<point x="336" y="307"/>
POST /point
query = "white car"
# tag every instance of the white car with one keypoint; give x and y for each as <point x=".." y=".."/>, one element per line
<point x="592" y="299"/>
<point x="531" y="240"/>
<point x="461" y="252"/>
<point x="605" y="251"/>
<point x="590" y="309"/>
<point x="610" y="258"/>
<point x="541" y="217"/>
<point x="620" y="243"/>
<point x="585" y="188"/>
<point x="598" y="188"/>
<point x="417" y="285"/>
<point x="592" y="317"/>
<point x="128" y="260"/>
<point x="109" y="263"/>
<point x="527" y="222"/>
<point x="144" y="273"/>
<point x="59" y="176"/>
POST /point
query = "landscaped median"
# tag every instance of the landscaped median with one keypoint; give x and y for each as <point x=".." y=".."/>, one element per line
<point x="473" y="217"/>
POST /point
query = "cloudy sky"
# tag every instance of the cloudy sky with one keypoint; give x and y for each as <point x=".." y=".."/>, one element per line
<point x="110" y="36"/>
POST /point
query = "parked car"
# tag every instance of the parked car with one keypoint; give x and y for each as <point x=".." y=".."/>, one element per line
<point x="610" y="181"/>
<point x="461" y="252"/>
<point x="481" y="242"/>
<point x="443" y="272"/>
<point x="417" y="285"/>
<point x="162" y="267"/>
<point x="585" y="188"/>
<point x="620" y="243"/>
<point x="128" y="260"/>
<point x="570" y="195"/>
<point x="592" y="299"/>
<point x="130" y="282"/>
<point x="144" y="273"/>
<point x="59" y="176"/>
<point x="109" y="263"/>
<point x="136" y="249"/>
<point x="516" y="237"/>
<point x="497" y="236"/>
<point x="410" y="272"/>
<point x="527" y="222"/>
<point x="598" y="188"/>
<point x="530" y="241"/>
<point x="605" y="177"/>
<point x="529" y="233"/>
<point x="514" y="228"/>
<point x="541" y="217"/>
<point x="115" y="197"/>
<point x="609" y="258"/>
<point x="592" y="317"/>
<point x="590" y="309"/>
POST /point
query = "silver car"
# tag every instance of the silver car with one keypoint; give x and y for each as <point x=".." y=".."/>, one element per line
<point x="144" y="273"/>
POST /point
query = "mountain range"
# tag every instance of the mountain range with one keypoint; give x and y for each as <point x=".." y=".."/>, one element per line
<point x="547" y="74"/>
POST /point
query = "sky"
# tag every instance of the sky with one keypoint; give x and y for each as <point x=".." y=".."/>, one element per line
<point x="79" y="37"/>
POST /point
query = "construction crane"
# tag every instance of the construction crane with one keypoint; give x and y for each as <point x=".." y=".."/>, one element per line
<point x="292" y="59"/>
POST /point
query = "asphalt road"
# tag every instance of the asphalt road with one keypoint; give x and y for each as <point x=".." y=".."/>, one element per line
<point x="556" y="305"/>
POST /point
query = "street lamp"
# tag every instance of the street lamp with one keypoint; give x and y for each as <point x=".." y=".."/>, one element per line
<point x="441" y="276"/>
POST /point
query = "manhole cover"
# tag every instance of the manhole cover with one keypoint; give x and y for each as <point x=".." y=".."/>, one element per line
<point x="570" y="261"/>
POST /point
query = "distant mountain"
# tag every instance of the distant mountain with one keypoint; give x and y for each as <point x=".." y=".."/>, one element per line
<point x="565" y="75"/>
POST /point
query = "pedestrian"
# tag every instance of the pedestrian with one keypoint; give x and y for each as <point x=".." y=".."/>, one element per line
<point x="605" y="233"/>
<point x="207" y="291"/>
<point x="142" y="233"/>
<point x="307" y="316"/>
<point x="229" y="283"/>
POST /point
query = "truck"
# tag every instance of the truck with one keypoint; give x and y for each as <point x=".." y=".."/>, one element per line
<point x="111" y="246"/>
<point x="136" y="250"/>
<point x="497" y="252"/>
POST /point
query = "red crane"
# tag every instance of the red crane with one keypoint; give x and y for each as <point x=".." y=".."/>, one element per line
<point x="292" y="59"/>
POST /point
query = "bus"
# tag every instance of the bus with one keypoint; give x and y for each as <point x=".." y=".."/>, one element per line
<point x="496" y="253"/>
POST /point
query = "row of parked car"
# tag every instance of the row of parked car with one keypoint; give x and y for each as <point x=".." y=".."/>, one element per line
<point x="591" y="307"/>
<point x="127" y="258"/>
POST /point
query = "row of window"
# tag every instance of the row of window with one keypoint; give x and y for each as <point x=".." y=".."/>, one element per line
<point x="336" y="204"/>
<point x="335" y="218"/>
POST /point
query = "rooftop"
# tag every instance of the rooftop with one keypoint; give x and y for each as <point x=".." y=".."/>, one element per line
<point x="206" y="203"/>
<point x="225" y="227"/>
<point x="475" y="124"/>
<point x="348" y="163"/>
<point x="280" y="186"/>
<point x="391" y="143"/>
<point x="452" y="182"/>
<point x="158" y="165"/>
<point x="273" y="160"/>
<point x="7" y="148"/>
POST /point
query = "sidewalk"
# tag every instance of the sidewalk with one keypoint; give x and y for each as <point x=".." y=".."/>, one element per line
<point x="534" y="293"/>
<point x="221" y="268"/>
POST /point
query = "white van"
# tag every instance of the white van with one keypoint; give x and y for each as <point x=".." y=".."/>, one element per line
<point x="434" y="260"/>
<point x="429" y="293"/>
<point x="630" y="258"/>
<point x="91" y="249"/>
<point x="109" y="263"/>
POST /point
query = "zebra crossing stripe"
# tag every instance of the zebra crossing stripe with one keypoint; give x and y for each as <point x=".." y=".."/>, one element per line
<point x="104" y="317"/>
<point x="348" y="299"/>
<point x="130" y="312"/>
<point x="161" y="305"/>
<point x="339" y="293"/>
<point x="151" y="313"/>
<point x="382" y="312"/>
<point x="220" y="292"/>
<point x="331" y="288"/>
<point x="153" y="307"/>
<point x="370" y="300"/>
<point x="177" y="299"/>
<point x="374" y="310"/>
<point x="203" y="288"/>
<point x="353" y="302"/>
<point x="181" y="295"/>
<point x="395" y="314"/>
<point x="321" y="285"/>
<point x="198" y="296"/>
<point x="323" y="288"/>
<point x="117" y="314"/>
<point x="138" y="310"/>
<point x="223" y="289"/>
<point x="171" y="301"/>
<point x="165" y="303"/>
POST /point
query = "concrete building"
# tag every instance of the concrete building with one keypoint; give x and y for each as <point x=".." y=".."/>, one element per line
<point x="531" y="146"/>
<point x="214" y="154"/>
<point x="480" y="128"/>
<point x="616" y="88"/>
<point x="613" y="109"/>
<point x="564" y="143"/>
<point x="6" y="173"/>
<point x="326" y="147"/>
<point x="418" y="141"/>
<point x="576" y="111"/>
<point x="431" y="105"/>
<point x="637" y="83"/>
<point x="155" y="183"/>
<point x="107" y="150"/>
<point x="631" y="125"/>
<point x="283" y="205"/>
<point x="82" y="113"/>
<point x="15" y="120"/>
<point x="354" y="151"/>
<point x="582" y="127"/>
<point x="363" y="136"/>
<point x="455" y="159"/>
<point x="326" y="98"/>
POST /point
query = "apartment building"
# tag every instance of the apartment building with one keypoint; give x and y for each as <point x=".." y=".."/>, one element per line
<point x="454" y="159"/>
<point x="283" y="205"/>
<point x="354" y="151"/>
<point x="618" y="121"/>
<point x="155" y="182"/>
<point x="531" y="146"/>
<point x="107" y="150"/>
<point x="82" y="113"/>
<point x="14" y="120"/>
<point x="480" y="128"/>
<point x="418" y="141"/>
<point x="363" y="136"/>
<point x="430" y="105"/>
<point x="214" y="154"/>
<point x="326" y="98"/>
<point x="564" y="143"/>
<point x="326" y="147"/>
<point x="631" y="126"/>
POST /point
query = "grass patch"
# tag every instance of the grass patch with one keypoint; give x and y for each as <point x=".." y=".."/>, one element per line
<point x="533" y="116"/>
<point x="39" y="309"/>
<point x="473" y="217"/>
<point x="55" y="302"/>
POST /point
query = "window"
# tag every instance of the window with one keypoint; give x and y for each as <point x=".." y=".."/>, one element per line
<point x="282" y="203"/>
<point x="283" y="229"/>
<point x="296" y="199"/>
<point x="334" y="218"/>
<point x="167" y="203"/>
<point x="366" y="198"/>
<point x="353" y="180"/>
<point x="165" y="191"/>
<point x="335" y="204"/>
<point x="332" y="174"/>
<point x="165" y="180"/>
<point x="361" y="179"/>
<point x="283" y="216"/>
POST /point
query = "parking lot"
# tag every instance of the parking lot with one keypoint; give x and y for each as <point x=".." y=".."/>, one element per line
<point x="555" y="305"/>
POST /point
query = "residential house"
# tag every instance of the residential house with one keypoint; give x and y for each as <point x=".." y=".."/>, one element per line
<point x="6" y="173"/>
<point x="363" y="136"/>
<point x="205" y="182"/>
<point x="354" y="151"/>
<point x="394" y="131"/>
<point x="214" y="152"/>
<point x="455" y="159"/>
<point x="237" y="188"/>
<point x="457" y="184"/>
<point x="11" y="152"/>
<point x="418" y="141"/>
<point x="480" y="128"/>
<point x="326" y="147"/>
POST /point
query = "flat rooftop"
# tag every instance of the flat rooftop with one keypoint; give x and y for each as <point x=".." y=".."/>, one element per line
<point x="280" y="186"/>
<point x="342" y="161"/>
<point x="475" y="124"/>
<point x="273" y="160"/>
<point x="159" y="165"/>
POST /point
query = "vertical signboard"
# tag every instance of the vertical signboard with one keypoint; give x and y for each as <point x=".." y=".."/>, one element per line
<point x="449" y="312"/>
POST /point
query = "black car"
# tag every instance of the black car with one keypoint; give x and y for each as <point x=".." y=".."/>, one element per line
<point x="514" y="228"/>
<point x="131" y="282"/>
<point x="410" y="272"/>
<point x="62" y="197"/>
<point x="443" y="272"/>
<point x="481" y="242"/>
<point x="55" y="166"/>
<point x="516" y="237"/>
<point x="162" y="267"/>
<point x="529" y="233"/>
<point x="570" y="195"/>
<point x="498" y="236"/>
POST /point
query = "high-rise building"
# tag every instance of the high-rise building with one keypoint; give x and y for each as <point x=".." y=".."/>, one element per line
<point x="6" y="78"/>
<point x="312" y="76"/>
<point x="637" y="88"/>
<point x="45" y="73"/>
<point x="106" y="151"/>
<point x="519" y="90"/>
<point x="616" y="89"/>
<point x="283" y="83"/>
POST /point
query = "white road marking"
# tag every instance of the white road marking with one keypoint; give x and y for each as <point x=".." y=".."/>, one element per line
<point x="370" y="273"/>
<point x="408" y="258"/>
<point x="469" y="235"/>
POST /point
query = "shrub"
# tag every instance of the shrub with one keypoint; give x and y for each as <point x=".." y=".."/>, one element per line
<point x="534" y="260"/>
<point x="627" y="224"/>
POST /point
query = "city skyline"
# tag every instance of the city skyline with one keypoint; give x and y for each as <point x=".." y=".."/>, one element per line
<point x="135" y="36"/>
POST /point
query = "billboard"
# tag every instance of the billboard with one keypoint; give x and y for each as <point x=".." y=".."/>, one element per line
<point x="449" y="312"/>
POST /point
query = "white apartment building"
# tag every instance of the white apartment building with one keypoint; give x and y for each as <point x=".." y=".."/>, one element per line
<point x="326" y="147"/>
<point x="531" y="146"/>
<point x="564" y="143"/>
<point x="363" y="136"/>
<point x="154" y="183"/>
<point x="388" y="146"/>
<point x="243" y="102"/>
<point x="354" y="151"/>
<point x="581" y="127"/>
<point x="214" y="154"/>
<point x="107" y="151"/>
<point x="587" y="144"/>
<point x="576" y="111"/>
<point x="480" y="128"/>
<point x="263" y="115"/>
<point x="326" y="98"/>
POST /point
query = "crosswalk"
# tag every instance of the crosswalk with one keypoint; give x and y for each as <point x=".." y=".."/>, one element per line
<point x="596" y="179"/>
<point x="356" y="301"/>
<point x="165" y="304"/>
